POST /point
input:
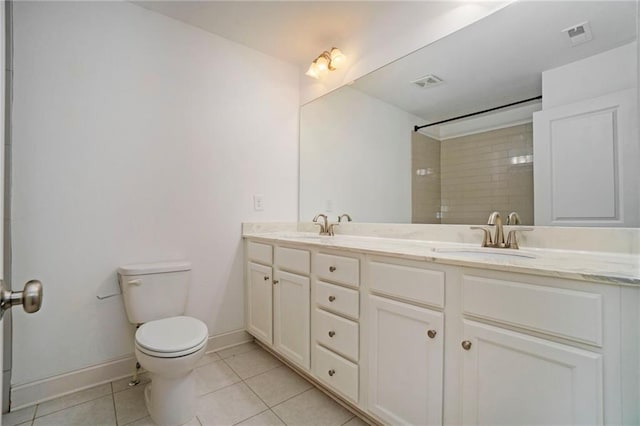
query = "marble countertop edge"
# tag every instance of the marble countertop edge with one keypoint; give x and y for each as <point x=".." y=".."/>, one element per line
<point x="601" y="267"/>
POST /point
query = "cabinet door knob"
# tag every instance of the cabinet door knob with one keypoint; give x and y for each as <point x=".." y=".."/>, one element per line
<point x="466" y="345"/>
<point x="332" y="268"/>
<point x="266" y="277"/>
<point x="332" y="372"/>
<point x="431" y="334"/>
<point x="332" y="333"/>
<point x="332" y="298"/>
<point x="275" y="282"/>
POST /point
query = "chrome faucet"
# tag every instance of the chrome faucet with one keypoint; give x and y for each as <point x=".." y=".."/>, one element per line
<point x="344" y="215"/>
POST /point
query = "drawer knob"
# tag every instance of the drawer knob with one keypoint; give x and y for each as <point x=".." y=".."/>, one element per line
<point x="266" y="277"/>
<point x="466" y="345"/>
<point x="332" y="298"/>
<point x="431" y="334"/>
<point x="332" y="372"/>
<point x="275" y="282"/>
<point x="332" y="333"/>
<point x="332" y="268"/>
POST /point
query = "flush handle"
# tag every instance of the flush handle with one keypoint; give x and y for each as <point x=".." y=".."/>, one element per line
<point x="332" y="333"/>
<point x="30" y="297"/>
<point x="134" y="282"/>
<point x="332" y="298"/>
<point x="332" y="372"/>
<point x="332" y="268"/>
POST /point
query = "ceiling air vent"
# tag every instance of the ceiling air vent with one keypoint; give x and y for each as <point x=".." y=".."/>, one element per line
<point x="427" y="81"/>
<point x="578" y="34"/>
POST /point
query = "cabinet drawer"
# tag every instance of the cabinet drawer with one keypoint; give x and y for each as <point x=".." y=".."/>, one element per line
<point x="339" y="269"/>
<point x="336" y="333"/>
<point x="337" y="299"/>
<point x="337" y="372"/>
<point x="293" y="260"/>
<point x="261" y="253"/>
<point x="576" y="315"/>
<point x="406" y="282"/>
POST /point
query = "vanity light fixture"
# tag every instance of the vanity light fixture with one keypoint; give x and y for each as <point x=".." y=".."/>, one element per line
<point x="327" y="61"/>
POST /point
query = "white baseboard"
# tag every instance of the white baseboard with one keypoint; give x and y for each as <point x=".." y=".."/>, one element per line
<point x="29" y="394"/>
<point x="227" y="340"/>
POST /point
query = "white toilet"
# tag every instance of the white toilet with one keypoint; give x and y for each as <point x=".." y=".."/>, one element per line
<point x="167" y="344"/>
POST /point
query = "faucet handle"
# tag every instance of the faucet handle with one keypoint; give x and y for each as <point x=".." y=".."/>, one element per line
<point x="330" y="231"/>
<point x="486" y="238"/>
<point x="512" y="238"/>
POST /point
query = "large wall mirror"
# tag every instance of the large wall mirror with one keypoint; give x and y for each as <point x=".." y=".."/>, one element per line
<point x="569" y="156"/>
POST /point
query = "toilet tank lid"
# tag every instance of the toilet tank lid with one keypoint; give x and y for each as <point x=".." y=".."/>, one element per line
<point x="154" y="268"/>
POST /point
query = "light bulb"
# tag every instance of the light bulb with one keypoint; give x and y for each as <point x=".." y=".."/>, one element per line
<point x="337" y="58"/>
<point x="322" y="63"/>
<point x="313" y="70"/>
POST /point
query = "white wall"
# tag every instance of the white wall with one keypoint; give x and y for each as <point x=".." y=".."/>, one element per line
<point x="347" y="129"/>
<point x="394" y="38"/>
<point x="137" y="139"/>
<point x="607" y="72"/>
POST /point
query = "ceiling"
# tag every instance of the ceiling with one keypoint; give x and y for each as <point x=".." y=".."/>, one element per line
<point x="298" y="31"/>
<point x="499" y="59"/>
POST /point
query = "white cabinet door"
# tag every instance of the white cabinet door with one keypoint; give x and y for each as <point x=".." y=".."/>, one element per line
<point x="511" y="378"/>
<point x="260" y="302"/>
<point x="405" y="362"/>
<point x="586" y="162"/>
<point x="292" y="298"/>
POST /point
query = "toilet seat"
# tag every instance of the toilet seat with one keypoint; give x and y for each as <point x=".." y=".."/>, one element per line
<point x="171" y="337"/>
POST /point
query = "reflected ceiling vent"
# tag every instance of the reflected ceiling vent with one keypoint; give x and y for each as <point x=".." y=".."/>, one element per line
<point x="427" y="81"/>
<point x="578" y="34"/>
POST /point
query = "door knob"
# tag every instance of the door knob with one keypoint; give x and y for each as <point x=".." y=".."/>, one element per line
<point x="30" y="297"/>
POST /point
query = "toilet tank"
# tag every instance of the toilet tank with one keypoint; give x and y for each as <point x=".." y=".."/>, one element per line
<point x="154" y="291"/>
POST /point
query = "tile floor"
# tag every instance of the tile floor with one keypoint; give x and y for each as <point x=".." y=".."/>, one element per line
<point x="243" y="385"/>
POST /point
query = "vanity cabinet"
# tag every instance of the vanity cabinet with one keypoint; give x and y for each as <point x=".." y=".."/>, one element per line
<point x="336" y="328"/>
<point x="406" y="343"/>
<point x="513" y="378"/>
<point x="278" y="299"/>
<point x="425" y="343"/>
<point x="291" y="300"/>
<point x="534" y="353"/>
<point x="259" y="291"/>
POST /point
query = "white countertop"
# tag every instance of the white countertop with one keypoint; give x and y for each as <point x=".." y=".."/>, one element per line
<point x="613" y="268"/>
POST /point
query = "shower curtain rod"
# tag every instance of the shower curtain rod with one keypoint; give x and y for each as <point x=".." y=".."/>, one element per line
<point x="416" y="128"/>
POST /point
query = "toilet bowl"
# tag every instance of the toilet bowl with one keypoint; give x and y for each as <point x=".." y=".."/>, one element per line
<point x="169" y="350"/>
<point x="167" y="344"/>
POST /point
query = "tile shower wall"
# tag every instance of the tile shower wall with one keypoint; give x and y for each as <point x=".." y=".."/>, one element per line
<point x="488" y="171"/>
<point x="425" y="179"/>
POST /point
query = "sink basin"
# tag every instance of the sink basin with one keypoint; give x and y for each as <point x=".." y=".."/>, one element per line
<point x="485" y="253"/>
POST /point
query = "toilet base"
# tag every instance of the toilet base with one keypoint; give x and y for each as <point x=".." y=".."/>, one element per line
<point x="171" y="402"/>
<point x="171" y="395"/>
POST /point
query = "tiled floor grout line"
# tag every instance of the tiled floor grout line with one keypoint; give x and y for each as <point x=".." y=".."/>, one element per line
<point x="226" y="362"/>
<point x="35" y="414"/>
<point x="264" y="402"/>
<point x="351" y="418"/>
<point x="250" y="417"/>
<point x="113" y="401"/>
